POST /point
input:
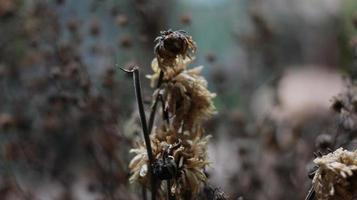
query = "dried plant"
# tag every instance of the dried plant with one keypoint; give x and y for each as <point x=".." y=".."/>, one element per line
<point x="174" y="157"/>
<point x="336" y="177"/>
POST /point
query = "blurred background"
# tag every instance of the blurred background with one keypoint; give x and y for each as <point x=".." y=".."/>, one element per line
<point x="68" y="116"/>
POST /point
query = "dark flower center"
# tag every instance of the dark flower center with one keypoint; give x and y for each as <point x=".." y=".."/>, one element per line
<point x="164" y="168"/>
<point x="174" y="45"/>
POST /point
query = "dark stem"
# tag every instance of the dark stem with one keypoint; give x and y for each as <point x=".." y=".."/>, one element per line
<point x="153" y="109"/>
<point x="143" y="192"/>
<point x="139" y="99"/>
<point x="169" y="195"/>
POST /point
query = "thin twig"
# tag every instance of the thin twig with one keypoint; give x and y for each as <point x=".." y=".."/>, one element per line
<point x="139" y="99"/>
<point x="153" y="109"/>
<point x="311" y="194"/>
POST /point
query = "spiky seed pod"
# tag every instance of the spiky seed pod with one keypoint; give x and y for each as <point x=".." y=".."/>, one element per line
<point x="336" y="177"/>
<point x="179" y="157"/>
<point x="171" y="44"/>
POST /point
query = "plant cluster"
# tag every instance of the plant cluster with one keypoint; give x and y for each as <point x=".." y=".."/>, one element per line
<point x="173" y="158"/>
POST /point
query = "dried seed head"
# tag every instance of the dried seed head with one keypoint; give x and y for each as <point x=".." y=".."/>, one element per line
<point x="185" y="94"/>
<point x="172" y="44"/>
<point x="165" y="168"/>
<point x="187" y="99"/>
<point x="336" y="175"/>
<point x="179" y="157"/>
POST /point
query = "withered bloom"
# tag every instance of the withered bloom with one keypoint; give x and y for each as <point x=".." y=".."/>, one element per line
<point x="187" y="99"/>
<point x="171" y="45"/>
<point x="179" y="157"/>
<point x="185" y="94"/>
<point x="336" y="177"/>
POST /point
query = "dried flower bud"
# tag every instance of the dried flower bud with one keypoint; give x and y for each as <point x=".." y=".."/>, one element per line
<point x="172" y="44"/>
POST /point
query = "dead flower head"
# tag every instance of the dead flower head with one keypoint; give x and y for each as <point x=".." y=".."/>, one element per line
<point x="336" y="176"/>
<point x="179" y="157"/>
<point x="187" y="99"/>
<point x="185" y="94"/>
<point x="172" y="44"/>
